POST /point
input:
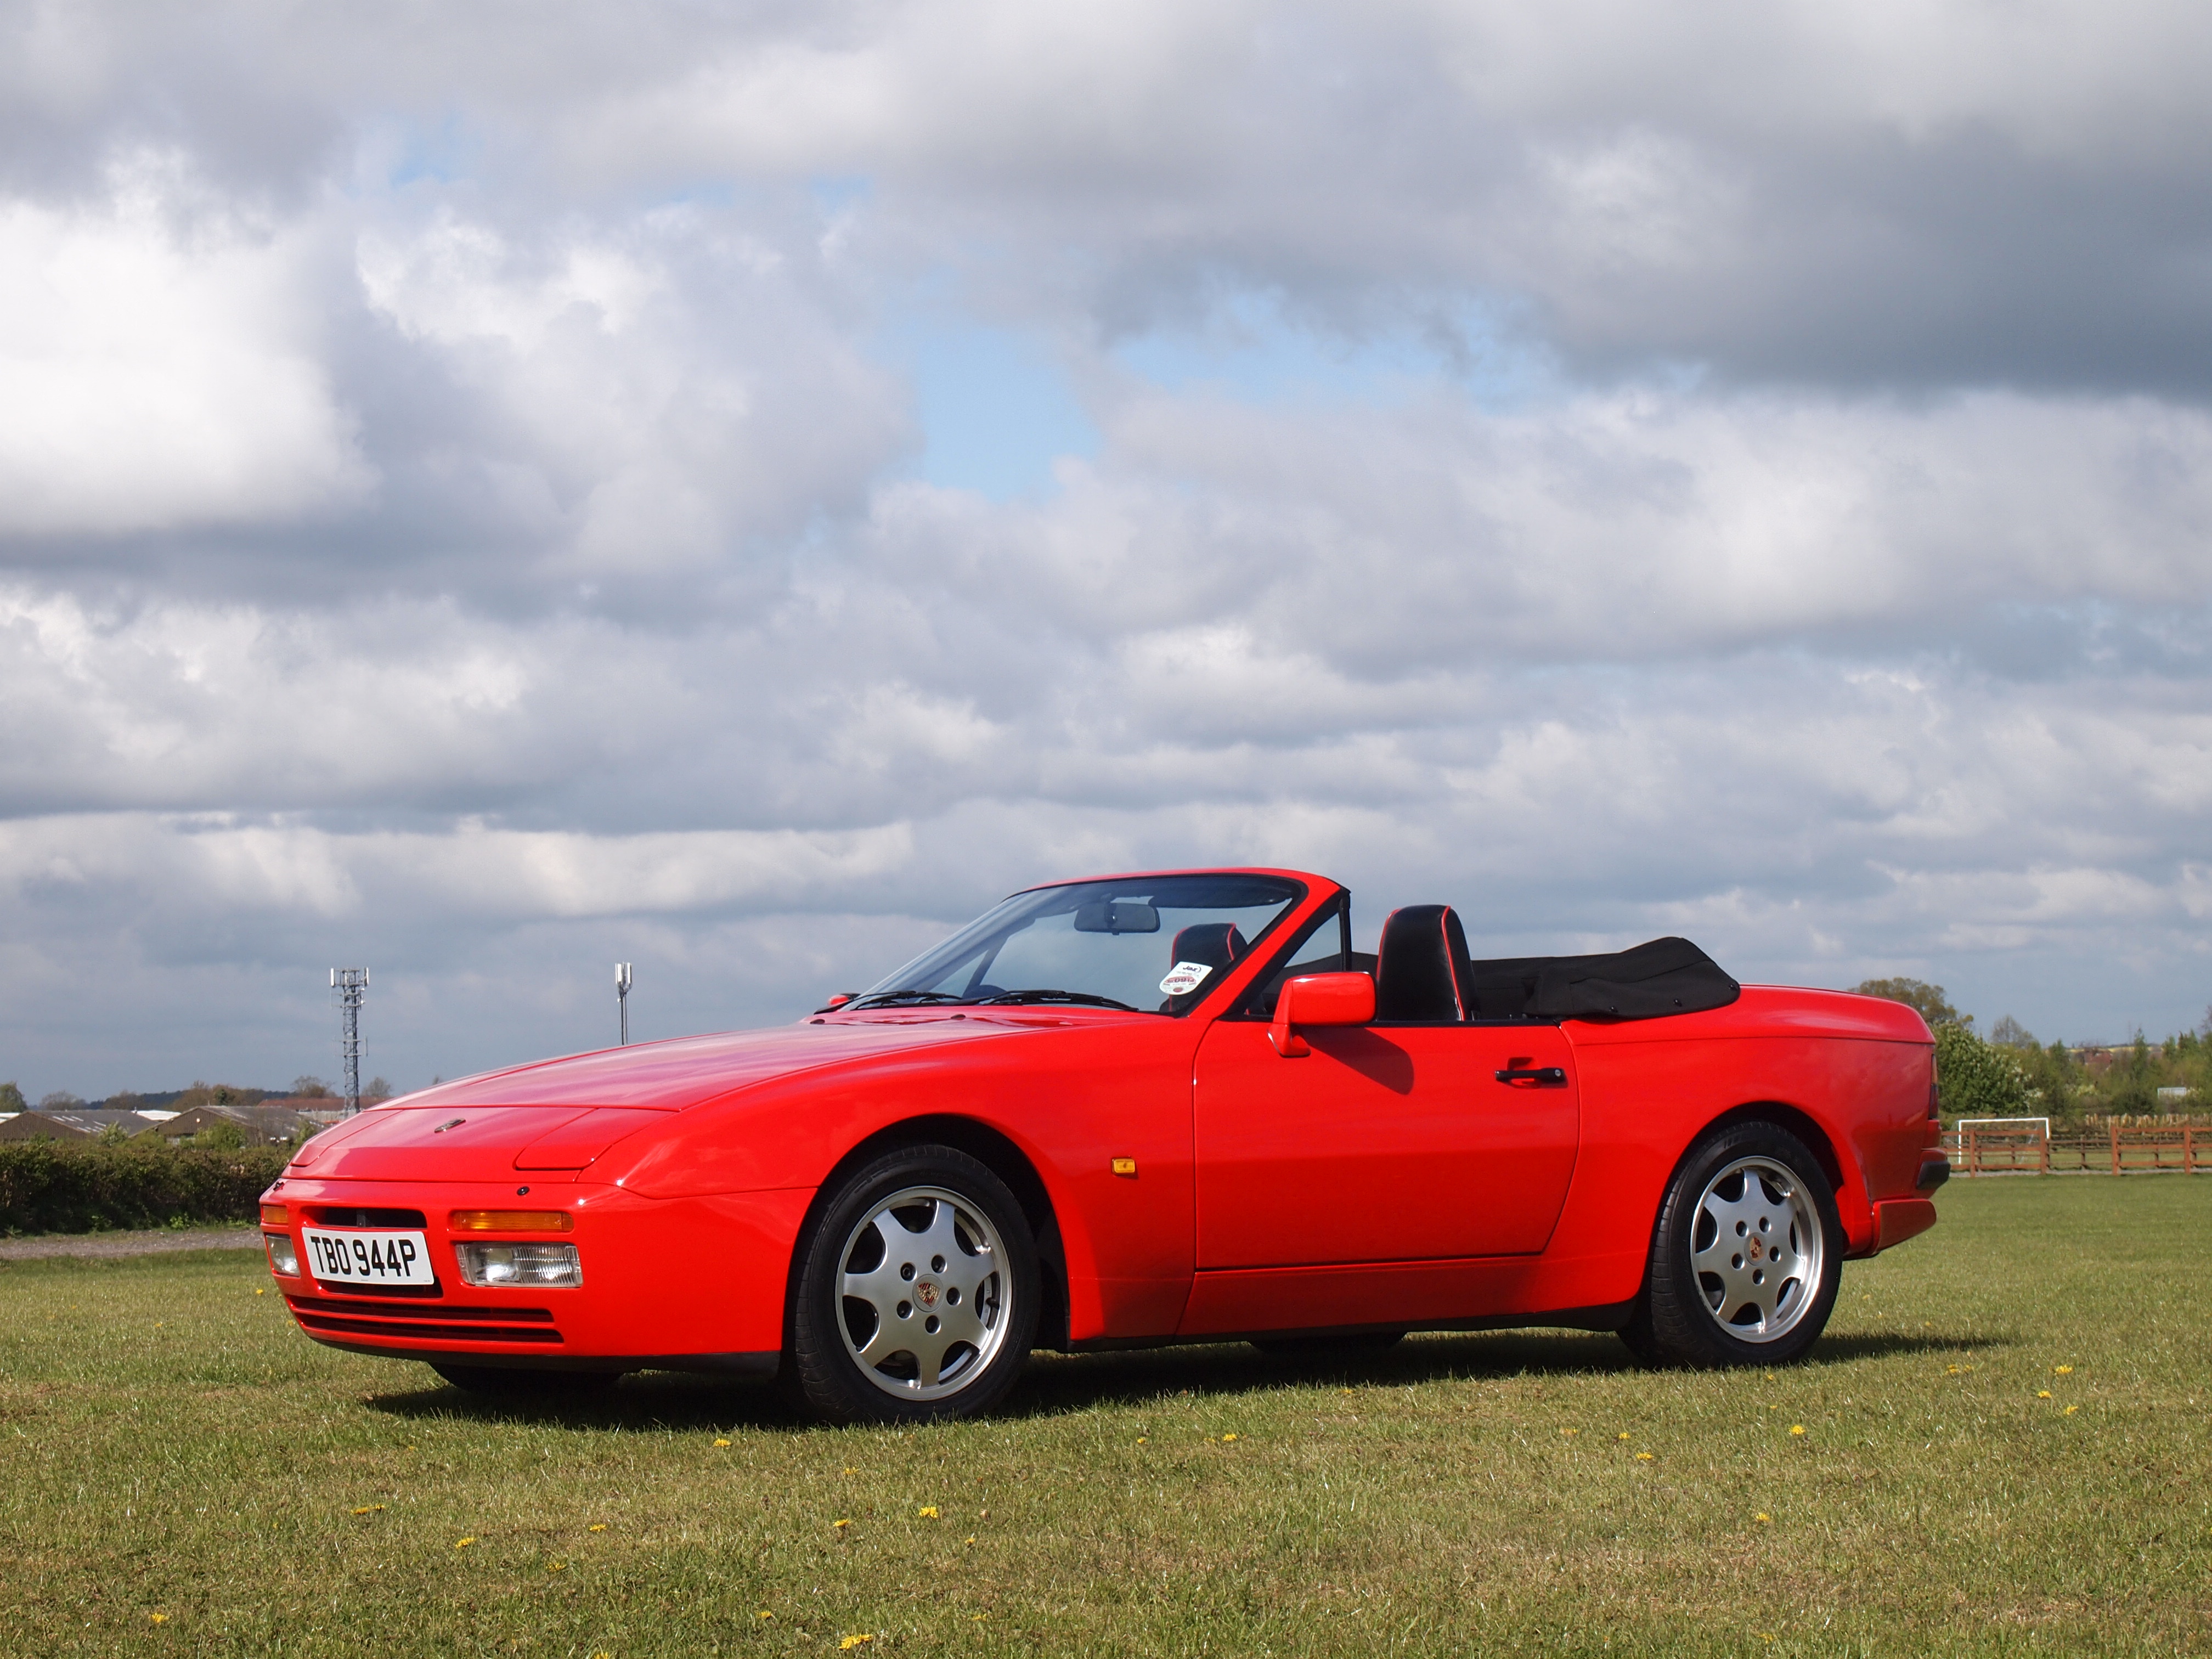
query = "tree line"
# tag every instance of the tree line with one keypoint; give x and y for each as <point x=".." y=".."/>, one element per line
<point x="2010" y="1074"/>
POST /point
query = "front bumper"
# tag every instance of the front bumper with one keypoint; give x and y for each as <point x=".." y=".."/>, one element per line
<point x="669" y="1284"/>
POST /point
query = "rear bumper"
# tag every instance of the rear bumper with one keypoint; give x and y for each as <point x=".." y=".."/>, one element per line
<point x="1897" y="1220"/>
<point x="669" y="1284"/>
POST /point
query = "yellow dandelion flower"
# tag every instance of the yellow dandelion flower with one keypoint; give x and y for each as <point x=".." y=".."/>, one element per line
<point x="1768" y="1375"/>
<point x="368" y="1509"/>
<point x="2043" y="1394"/>
<point x="2070" y="1411"/>
<point x="927" y="1512"/>
<point x="1144" y="1439"/>
<point x="556" y="1566"/>
<point x="1228" y="1437"/>
<point x="1345" y="1391"/>
<point x="1570" y="1430"/>
<point x="158" y="1618"/>
<point x="841" y="1525"/>
<point x="721" y="1443"/>
<point x="1796" y="1428"/>
<point x="1621" y="1437"/>
<point x="2063" y="1370"/>
<point x="1764" y="1518"/>
<point x="264" y="1290"/>
<point x="597" y="1526"/>
<point x="1644" y="1457"/>
<point x="851" y="1471"/>
<point x="845" y="1642"/>
<point x="463" y="1543"/>
<point x="763" y="1614"/>
<point x="971" y="1540"/>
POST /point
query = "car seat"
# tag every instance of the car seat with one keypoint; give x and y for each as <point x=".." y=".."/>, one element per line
<point x="1421" y="970"/>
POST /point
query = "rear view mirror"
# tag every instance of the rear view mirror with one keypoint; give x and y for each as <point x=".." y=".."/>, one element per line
<point x="1117" y="917"/>
<point x="1319" y="1000"/>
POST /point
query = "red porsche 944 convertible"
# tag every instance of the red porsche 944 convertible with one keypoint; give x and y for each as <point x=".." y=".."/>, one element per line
<point x="1135" y="1110"/>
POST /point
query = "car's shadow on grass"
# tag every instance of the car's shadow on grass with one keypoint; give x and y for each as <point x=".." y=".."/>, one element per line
<point x="1060" y="1384"/>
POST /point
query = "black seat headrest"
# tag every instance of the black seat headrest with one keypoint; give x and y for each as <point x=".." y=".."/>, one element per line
<point x="1215" y="944"/>
<point x="1421" y="967"/>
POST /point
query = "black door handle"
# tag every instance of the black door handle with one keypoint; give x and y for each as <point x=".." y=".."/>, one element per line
<point x="1544" y="1077"/>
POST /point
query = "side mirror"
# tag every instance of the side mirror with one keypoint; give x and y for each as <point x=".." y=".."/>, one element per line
<point x="1319" y="1000"/>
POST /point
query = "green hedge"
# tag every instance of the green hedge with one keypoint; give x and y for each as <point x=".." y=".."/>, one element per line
<point x="49" y="1187"/>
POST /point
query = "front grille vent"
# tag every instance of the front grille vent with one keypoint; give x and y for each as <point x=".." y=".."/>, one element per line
<point x="331" y="1215"/>
<point x="505" y="1315"/>
<point x="428" y="1333"/>
<point x="429" y="1293"/>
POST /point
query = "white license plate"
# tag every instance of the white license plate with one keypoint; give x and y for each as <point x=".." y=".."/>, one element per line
<point x="368" y="1258"/>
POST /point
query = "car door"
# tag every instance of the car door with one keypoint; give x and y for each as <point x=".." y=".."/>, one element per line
<point x="1386" y="1143"/>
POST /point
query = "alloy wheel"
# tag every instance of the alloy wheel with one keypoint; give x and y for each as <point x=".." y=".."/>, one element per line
<point x="924" y="1293"/>
<point x="1757" y="1249"/>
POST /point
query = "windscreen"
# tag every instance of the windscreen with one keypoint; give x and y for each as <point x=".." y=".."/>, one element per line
<point x="1155" y="945"/>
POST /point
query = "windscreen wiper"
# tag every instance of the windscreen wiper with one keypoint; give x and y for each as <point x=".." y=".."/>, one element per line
<point x="1083" y="997"/>
<point x="889" y="999"/>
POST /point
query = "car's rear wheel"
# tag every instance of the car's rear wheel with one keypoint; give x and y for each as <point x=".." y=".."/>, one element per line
<point x="518" y="1382"/>
<point x="916" y="1294"/>
<point x="1746" y="1257"/>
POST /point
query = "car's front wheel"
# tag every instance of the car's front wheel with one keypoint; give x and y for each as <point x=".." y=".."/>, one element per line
<point x="1746" y="1257"/>
<point x="916" y="1294"/>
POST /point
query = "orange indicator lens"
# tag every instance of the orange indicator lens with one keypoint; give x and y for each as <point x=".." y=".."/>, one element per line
<point x="511" y="1221"/>
<point x="274" y="1215"/>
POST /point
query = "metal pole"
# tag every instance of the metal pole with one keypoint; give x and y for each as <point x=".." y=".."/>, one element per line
<point x="622" y="998"/>
<point x="348" y="986"/>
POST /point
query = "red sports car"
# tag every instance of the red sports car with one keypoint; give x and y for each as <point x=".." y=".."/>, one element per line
<point x="1134" y="1110"/>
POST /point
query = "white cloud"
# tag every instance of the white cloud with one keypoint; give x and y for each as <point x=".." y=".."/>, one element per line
<point x="1746" y="473"/>
<point x="161" y="366"/>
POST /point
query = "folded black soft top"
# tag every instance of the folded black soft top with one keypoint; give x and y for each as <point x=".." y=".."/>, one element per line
<point x="1665" y="976"/>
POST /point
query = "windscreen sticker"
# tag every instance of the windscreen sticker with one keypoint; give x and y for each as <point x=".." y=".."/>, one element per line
<point x="1184" y="978"/>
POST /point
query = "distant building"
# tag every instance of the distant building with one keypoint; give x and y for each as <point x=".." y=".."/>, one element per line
<point x="269" y="1123"/>
<point x="75" y="1123"/>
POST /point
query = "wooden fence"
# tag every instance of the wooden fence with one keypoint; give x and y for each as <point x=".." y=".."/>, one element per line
<point x="2123" y="1149"/>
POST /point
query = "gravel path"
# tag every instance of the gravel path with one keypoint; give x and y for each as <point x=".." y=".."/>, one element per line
<point x="145" y="1243"/>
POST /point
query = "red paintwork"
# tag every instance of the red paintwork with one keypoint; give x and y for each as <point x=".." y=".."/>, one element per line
<point x="1385" y="1178"/>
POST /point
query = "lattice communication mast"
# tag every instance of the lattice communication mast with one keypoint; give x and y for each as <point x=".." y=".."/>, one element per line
<point x="349" y="986"/>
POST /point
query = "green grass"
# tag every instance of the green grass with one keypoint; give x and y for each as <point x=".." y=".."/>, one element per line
<point x="174" y="1448"/>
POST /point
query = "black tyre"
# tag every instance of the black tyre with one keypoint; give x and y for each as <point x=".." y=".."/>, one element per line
<point x="1746" y="1257"/>
<point x="1359" y="1345"/>
<point x="916" y="1293"/>
<point x="516" y="1383"/>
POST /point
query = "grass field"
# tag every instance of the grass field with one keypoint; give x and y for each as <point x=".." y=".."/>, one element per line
<point x="2002" y="1445"/>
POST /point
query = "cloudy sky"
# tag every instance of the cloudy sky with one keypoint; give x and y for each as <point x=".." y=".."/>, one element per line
<point x="488" y="490"/>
